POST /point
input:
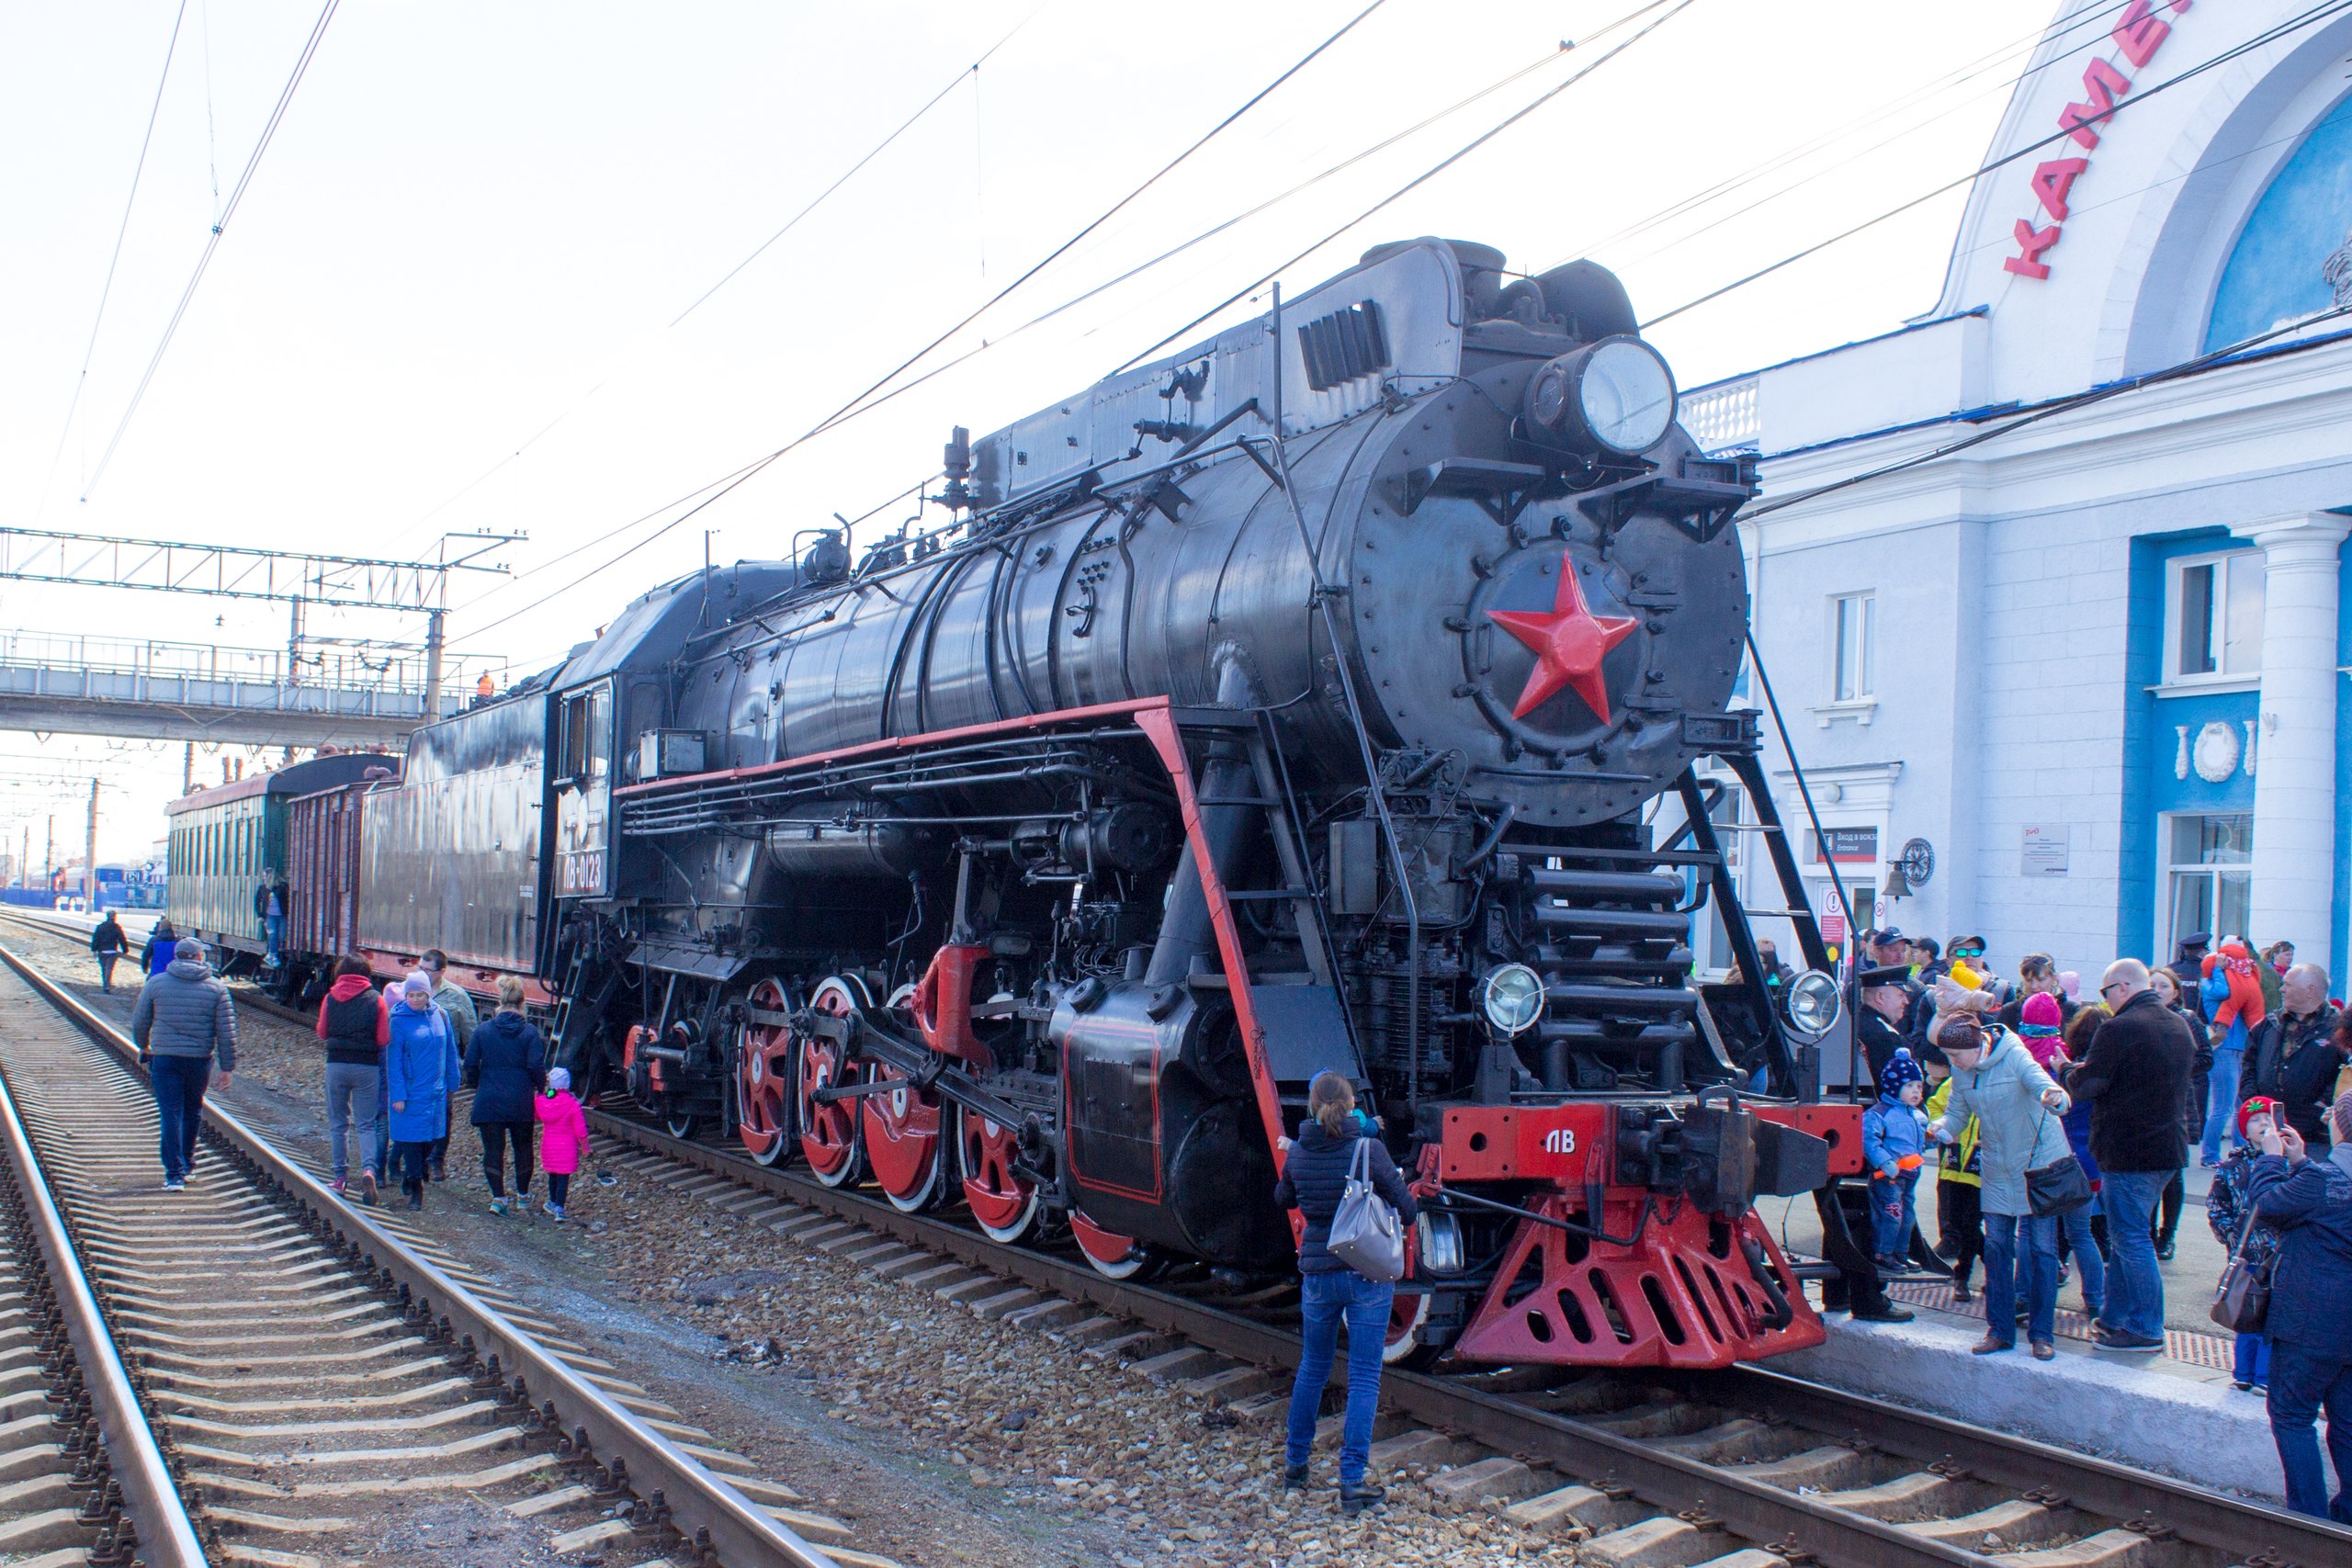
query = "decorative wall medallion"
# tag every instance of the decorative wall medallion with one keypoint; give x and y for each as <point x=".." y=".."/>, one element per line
<point x="2180" y="758"/>
<point x="2216" y="751"/>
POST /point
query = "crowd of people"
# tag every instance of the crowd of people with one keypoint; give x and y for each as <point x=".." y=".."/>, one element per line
<point x="396" y="1057"/>
<point x="2062" y="1128"/>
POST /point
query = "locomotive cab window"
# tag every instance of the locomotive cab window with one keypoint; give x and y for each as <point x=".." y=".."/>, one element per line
<point x="587" y="740"/>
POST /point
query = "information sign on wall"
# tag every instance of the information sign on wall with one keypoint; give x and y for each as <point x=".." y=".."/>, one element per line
<point x="2045" y="850"/>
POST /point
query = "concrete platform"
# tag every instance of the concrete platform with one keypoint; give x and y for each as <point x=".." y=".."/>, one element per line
<point x="2131" y="1409"/>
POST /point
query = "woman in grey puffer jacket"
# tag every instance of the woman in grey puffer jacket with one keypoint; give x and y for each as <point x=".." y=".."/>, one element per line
<point x="2020" y="1115"/>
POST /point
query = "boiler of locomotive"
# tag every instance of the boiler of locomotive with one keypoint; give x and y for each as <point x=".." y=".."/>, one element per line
<point x="1529" y="563"/>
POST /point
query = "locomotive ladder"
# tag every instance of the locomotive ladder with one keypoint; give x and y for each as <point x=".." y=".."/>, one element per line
<point x="1270" y="776"/>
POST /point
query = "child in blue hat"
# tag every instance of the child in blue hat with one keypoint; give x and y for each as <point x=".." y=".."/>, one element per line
<point x="1895" y="1145"/>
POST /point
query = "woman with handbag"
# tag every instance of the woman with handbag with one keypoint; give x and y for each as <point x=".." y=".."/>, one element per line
<point x="1333" y="1154"/>
<point x="2250" y="1247"/>
<point x="2024" y="1165"/>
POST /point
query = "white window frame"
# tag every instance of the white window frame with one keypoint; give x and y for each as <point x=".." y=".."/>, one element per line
<point x="2176" y="571"/>
<point x="2167" y="868"/>
<point x="1866" y="678"/>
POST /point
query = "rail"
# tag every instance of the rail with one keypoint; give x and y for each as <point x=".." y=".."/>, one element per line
<point x="1814" y="1531"/>
<point x="151" y="1499"/>
<point x="703" y="1507"/>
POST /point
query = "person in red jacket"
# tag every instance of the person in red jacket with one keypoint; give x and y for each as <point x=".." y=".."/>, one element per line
<point x="356" y="1027"/>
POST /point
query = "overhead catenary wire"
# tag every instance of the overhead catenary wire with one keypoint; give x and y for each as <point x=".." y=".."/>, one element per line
<point x="212" y="243"/>
<point x="749" y="470"/>
<point x="2138" y="94"/>
<point x="105" y="290"/>
<point x="2195" y="365"/>
<point x="969" y="73"/>
<point x="1732" y="183"/>
<point x="1676" y="8"/>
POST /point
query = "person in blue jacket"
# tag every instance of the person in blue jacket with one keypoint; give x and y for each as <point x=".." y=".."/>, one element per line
<point x="419" y="1070"/>
<point x="2310" y="1200"/>
<point x="1895" y="1148"/>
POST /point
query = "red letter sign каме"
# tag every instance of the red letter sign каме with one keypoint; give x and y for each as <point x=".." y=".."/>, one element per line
<point x="2139" y="33"/>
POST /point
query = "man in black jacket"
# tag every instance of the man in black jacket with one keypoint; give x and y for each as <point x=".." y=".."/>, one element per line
<point x="2293" y="1057"/>
<point x="2135" y="1078"/>
<point x="108" y="942"/>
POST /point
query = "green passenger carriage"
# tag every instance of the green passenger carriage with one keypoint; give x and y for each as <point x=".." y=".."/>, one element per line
<point x="224" y="838"/>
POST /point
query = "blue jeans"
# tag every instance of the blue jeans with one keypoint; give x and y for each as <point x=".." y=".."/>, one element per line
<point x="2135" y="1288"/>
<point x="352" y="1092"/>
<point x="2004" y="1235"/>
<point x="1895" y="1209"/>
<point x="1364" y="1305"/>
<point x="2300" y="1383"/>
<point x="276" y="926"/>
<point x="2250" y="1361"/>
<point x="2077" y="1223"/>
<point x="2221" y="1104"/>
<point x="178" y="1083"/>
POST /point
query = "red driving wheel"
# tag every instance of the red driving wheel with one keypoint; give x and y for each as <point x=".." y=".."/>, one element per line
<point x="829" y="1139"/>
<point x="901" y="1129"/>
<point x="764" y="1080"/>
<point x="1002" y="1203"/>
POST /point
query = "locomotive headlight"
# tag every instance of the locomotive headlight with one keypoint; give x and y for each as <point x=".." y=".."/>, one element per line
<point x="1614" y="396"/>
<point x="1512" y="998"/>
<point x="1813" y="1003"/>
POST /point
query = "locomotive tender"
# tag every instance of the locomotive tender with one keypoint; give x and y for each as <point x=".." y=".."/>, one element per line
<point x="1293" y="703"/>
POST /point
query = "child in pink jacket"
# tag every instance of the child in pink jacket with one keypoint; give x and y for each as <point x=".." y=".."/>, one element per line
<point x="563" y="1137"/>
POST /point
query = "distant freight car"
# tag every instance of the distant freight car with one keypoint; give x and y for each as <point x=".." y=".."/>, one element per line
<point x="224" y="838"/>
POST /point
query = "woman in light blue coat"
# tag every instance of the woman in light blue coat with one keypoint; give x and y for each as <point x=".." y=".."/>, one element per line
<point x="2020" y="1115"/>
<point x="420" y="1070"/>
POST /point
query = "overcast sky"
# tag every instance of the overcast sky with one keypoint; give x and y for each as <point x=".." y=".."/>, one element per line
<point x="444" y="303"/>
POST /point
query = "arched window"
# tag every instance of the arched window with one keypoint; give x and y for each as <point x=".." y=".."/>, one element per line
<point x="2293" y="258"/>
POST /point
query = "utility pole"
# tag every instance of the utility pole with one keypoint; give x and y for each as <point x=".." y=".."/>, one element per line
<point x="25" y="859"/>
<point x="294" y="655"/>
<point x="187" y="770"/>
<point x="49" y="856"/>
<point x="431" y="709"/>
<point x="90" y="854"/>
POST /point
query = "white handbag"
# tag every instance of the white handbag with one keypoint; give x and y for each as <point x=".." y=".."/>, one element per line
<point x="1365" y="1234"/>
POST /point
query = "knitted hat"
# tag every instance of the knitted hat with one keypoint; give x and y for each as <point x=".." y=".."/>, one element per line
<point x="559" y="1080"/>
<point x="2260" y="1105"/>
<point x="2041" y="1013"/>
<point x="1960" y="1032"/>
<point x="2070" y="983"/>
<point x="418" y="980"/>
<point x="1900" y="1070"/>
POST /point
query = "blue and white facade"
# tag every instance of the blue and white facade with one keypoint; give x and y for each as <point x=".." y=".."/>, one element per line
<point x="2097" y="661"/>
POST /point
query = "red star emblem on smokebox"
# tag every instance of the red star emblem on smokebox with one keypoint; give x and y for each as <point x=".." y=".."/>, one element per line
<point x="1570" y="644"/>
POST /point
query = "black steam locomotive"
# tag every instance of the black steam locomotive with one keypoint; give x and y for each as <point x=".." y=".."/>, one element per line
<point x="1303" y="701"/>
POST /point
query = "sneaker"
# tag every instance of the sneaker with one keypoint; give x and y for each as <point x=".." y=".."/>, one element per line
<point x="554" y="1211"/>
<point x="174" y="1184"/>
<point x="367" y="1188"/>
<point x="340" y="1185"/>
<point x="498" y="1205"/>
<point x="2210" y="1163"/>
<point x="2113" y="1339"/>
<point x="2164" y="1251"/>
<point x="1960" y="1293"/>
<point x="2241" y="1387"/>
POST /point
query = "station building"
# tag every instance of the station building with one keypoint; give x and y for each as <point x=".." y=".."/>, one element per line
<point x="2050" y="585"/>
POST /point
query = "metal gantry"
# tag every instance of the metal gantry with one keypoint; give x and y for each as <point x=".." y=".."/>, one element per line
<point x="304" y="579"/>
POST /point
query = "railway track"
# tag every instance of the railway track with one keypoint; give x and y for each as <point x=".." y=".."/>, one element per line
<point x="1747" y="1469"/>
<point x="281" y="1380"/>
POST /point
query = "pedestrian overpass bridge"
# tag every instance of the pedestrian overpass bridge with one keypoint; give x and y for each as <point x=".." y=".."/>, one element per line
<point x="347" y="696"/>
